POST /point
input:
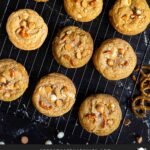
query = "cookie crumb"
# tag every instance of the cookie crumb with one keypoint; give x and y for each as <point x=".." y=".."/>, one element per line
<point x="48" y="142"/>
<point x="60" y="135"/>
<point x="133" y="77"/>
<point x="127" y="122"/>
<point x="137" y="69"/>
<point x="139" y="139"/>
<point x="24" y="140"/>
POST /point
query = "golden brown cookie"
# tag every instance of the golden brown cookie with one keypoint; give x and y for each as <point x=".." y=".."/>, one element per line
<point x="83" y="10"/>
<point x="54" y="95"/>
<point x="115" y="59"/>
<point x="100" y="114"/>
<point x="130" y="17"/>
<point x="14" y="80"/>
<point x="72" y="47"/>
<point x="26" y="29"/>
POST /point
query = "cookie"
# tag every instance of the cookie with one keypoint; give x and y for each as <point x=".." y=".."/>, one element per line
<point x="72" y="47"/>
<point x="26" y="29"/>
<point x="100" y="114"/>
<point x="115" y="59"/>
<point x="14" y="80"/>
<point x="130" y="17"/>
<point x="83" y="10"/>
<point x="54" y="95"/>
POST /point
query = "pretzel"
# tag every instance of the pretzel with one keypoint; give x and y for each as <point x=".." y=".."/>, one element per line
<point x="140" y="106"/>
<point x="145" y="86"/>
<point x="145" y="71"/>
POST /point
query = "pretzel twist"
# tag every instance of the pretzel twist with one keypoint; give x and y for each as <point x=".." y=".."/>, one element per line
<point x="140" y="106"/>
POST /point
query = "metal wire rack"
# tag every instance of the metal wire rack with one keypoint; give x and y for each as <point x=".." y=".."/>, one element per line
<point x="86" y="79"/>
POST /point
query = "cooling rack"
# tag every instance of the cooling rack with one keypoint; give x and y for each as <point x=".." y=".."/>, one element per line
<point x="86" y="79"/>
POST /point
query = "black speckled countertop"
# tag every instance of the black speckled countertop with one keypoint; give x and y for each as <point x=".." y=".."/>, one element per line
<point x="19" y="118"/>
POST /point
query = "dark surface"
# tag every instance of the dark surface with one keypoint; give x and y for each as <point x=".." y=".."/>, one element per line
<point x="20" y="118"/>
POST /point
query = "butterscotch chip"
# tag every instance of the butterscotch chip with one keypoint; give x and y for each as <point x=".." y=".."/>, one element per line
<point x="23" y="23"/>
<point x="72" y="47"/>
<point x="115" y="59"/>
<point x="121" y="51"/>
<point x="31" y="25"/>
<point x="110" y="62"/>
<point x="26" y="29"/>
<point x="54" y="95"/>
<point x="59" y="103"/>
<point x="96" y="115"/>
<point x="3" y="79"/>
<point x="14" y="80"/>
<point x="83" y="10"/>
<point x="24" y="140"/>
<point x="130" y="17"/>
<point x="100" y="108"/>
<point x="78" y="55"/>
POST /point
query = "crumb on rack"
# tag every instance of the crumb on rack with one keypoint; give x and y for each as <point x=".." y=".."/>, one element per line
<point x="2" y="143"/>
<point x="137" y="69"/>
<point x="139" y="139"/>
<point x="60" y="135"/>
<point x="127" y="122"/>
<point x="133" y="77"/>
<point x="48" y="142"/>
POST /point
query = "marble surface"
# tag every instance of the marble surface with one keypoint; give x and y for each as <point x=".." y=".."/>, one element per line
<point x="19" y="118"/>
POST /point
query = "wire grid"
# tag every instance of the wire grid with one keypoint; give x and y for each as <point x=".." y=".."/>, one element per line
<point x="86" y="79"/>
